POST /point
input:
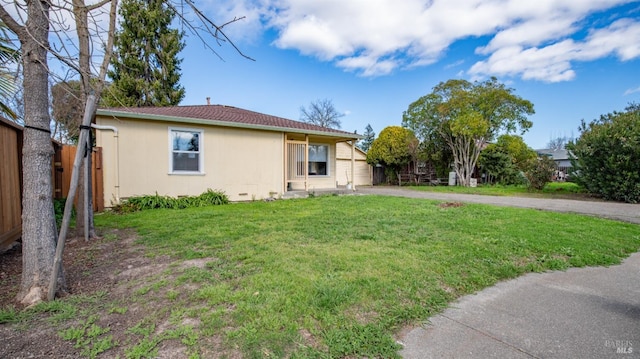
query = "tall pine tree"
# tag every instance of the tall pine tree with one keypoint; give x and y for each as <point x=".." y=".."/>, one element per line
<point x="369" y="136"/>
<point x="145" y="66"/>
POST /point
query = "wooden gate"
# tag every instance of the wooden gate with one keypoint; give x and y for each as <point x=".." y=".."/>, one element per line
<point x="68" y="154"/>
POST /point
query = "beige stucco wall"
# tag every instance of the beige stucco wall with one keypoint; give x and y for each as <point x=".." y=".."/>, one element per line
<point x="245" y="164"/>
<point x="363" y="171"/>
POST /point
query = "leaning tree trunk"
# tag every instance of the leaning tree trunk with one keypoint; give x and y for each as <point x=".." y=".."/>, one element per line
<point x="38" y="220"/>
<point x="84" y="216"/>
<point x="81" y="221"/>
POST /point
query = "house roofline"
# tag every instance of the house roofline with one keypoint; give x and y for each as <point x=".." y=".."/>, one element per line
<point x="124" y="114"/>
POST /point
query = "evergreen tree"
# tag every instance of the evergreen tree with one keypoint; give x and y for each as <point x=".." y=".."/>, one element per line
<point x="145" y="66"/>
<point x="369" y="136"/>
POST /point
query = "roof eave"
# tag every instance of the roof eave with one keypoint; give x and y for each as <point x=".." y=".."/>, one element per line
<point x="124" y="114"/>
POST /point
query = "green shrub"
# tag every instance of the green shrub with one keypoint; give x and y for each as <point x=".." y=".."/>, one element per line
<point x="58" y="207"/>
<point x="540" y="172"/>
<point x="606" y="156"/>
<point x="505" y="160"/>
<point x="134" y="204"/>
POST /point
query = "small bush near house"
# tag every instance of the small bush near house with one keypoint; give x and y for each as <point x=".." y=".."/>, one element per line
<point x="134" y="204"/>
<point x="540" y="172"/>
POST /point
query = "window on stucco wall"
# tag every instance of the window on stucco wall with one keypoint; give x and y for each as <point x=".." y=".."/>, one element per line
<point x="318" y="160"/>
<point x="186" y="150"/>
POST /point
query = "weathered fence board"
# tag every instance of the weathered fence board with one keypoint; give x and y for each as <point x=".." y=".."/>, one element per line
<point x="10" y="183"/>
<point x="11" y="179"/>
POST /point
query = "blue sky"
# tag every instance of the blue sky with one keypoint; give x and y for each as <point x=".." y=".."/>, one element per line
<point x="572" y="59"/>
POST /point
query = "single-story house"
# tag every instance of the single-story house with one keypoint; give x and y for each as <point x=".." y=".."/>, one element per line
<point x="563" y="162"/>
<point x="185" y="150"/>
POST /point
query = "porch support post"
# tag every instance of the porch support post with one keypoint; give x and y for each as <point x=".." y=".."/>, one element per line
<point x="285" y="167"/>
<point x="353" y="164"/>
<point x="306" y="164"/>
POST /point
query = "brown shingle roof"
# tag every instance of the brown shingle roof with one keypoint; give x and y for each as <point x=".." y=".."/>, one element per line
<point x="221" y="113"/>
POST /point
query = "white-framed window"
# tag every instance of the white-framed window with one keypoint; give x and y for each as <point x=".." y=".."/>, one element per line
<point x="185" y="150"/>
<point x="318" y="160"/>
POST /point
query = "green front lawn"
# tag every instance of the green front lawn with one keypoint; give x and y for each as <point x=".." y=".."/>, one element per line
<point x="333" y="277"/>
<point x="567" y="190"/>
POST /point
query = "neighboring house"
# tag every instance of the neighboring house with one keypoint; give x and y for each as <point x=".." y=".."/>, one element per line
<point x="184" y="150"/>
<point x="563" y="162"/>
<point x="560" y="157"/>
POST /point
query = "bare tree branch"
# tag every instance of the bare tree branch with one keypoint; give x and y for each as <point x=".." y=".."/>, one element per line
<point x="97" y="5"/>
<point x="321" y="113"/>
<point x="218" y="34"/>
<point x="12" y="24"/>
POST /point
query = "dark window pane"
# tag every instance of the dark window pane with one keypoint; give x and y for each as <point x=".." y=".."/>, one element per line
<point x="317" y="168"/>
<point x="186" y="162"/>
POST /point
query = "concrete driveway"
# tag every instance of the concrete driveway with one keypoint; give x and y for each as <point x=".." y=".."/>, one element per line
<point x="579" y="313"/>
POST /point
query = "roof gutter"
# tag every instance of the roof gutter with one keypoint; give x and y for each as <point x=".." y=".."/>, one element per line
<point x="347" y="136"/>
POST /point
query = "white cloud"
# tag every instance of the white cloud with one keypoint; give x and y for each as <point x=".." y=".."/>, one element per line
<point x="368" y="65"/>
<point x="454" y="64"/>
<point x="632" y="91"/>
<point x="552" y="63"/>
<point x="529" y="39"/>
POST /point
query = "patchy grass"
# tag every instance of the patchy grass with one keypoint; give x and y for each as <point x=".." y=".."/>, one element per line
<point x="325" y="277"/>
<point x="337" y="276"/>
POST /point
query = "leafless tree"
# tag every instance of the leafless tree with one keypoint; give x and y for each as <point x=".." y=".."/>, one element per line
<point x="558" y="143"/>
<point x="321" y="113"/>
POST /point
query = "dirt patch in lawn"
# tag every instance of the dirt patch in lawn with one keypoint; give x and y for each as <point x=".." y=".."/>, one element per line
<point x="451" y="204"/>
<point x="103" y="277"/>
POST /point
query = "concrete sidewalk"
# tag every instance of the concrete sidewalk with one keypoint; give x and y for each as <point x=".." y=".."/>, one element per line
<point x="581" y="313"/>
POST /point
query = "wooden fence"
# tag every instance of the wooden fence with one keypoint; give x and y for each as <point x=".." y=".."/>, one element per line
<point x="67" y="155"/>
<point x="11" y="179"/>
<point x="10" y="182"/>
